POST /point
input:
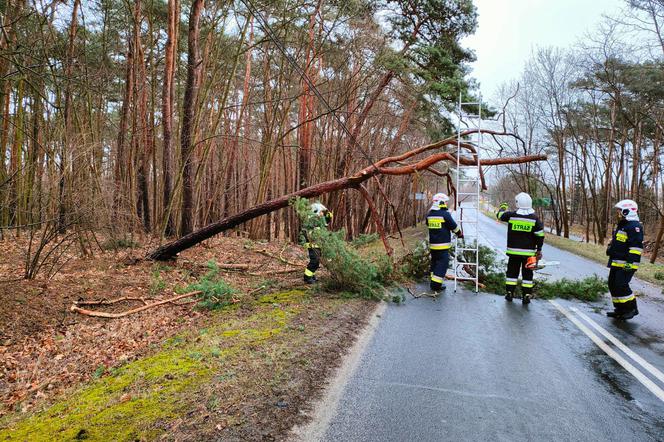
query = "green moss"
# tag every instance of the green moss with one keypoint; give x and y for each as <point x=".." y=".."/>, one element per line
<point x="291" y="296"/>
<point x="128" y="403"/>
<point x="119" y="407"/>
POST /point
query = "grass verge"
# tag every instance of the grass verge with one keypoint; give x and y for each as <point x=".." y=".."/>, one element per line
<point x="218" y="378"/>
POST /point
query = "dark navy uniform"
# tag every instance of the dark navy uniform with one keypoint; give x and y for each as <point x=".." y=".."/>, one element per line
<point x="441" y="226"/>
<point x="525" y="238"/>
<point x="624" y="253"/>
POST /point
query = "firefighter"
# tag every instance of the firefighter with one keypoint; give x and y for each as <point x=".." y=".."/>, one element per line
<point x="321" y="218"/>
<point x="624" y="252"/>
<point x="525" y="238"/>
<point x="441" y="225"/>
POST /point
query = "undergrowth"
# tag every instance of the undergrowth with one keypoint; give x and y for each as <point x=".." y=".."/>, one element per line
<point x="115" y="244"/>
<point x="215" y="292"/>
<point x="416" y="264"/>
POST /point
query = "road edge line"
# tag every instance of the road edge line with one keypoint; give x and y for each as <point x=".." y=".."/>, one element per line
<point x="326" y="407"/>
<point x="618" y="343"/>
<point x="646" y="381"/>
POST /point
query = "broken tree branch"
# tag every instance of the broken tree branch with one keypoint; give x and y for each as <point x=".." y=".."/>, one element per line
<point x="76" y="309"/>
<point x="374" y="214"/>
<point x="170" y="250"/>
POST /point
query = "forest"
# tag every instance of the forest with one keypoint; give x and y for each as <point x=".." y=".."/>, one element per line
<point x="157" y="158"/>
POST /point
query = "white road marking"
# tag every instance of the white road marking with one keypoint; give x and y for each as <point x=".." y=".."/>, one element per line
<point x="615" y="341"/>
<point x="649" y="384"/>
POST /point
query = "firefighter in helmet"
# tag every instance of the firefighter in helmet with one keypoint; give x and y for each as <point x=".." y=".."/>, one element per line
<point x="441" y="226"/>
<point x="322" y="217"/>
<point x="624" y="252"/>
<point x="525" y="238"/>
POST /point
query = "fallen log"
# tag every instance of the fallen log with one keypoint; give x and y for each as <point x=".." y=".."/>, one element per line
<point x="170" y="250"/>
<point x="76" y="309"/>
<point x="111" y="301"/>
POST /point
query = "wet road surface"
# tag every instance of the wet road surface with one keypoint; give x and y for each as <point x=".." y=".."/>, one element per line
<point x="472" y="367"/>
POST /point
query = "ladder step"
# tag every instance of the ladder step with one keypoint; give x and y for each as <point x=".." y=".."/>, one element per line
<point x="462" y="278"/>
<point x="466" y="263"/>
<point x="463" y="249"/>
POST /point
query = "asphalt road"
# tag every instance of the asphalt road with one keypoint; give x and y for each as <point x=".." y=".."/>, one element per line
<point x="473" y="367"/>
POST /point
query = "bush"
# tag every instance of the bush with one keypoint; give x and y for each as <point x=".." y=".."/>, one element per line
<point x="492" y="276"/>
<point x="587" y="289"/>
<point x="349" y="271"/>
<point x="417" y="264"/>
<point x="659" y="276"/>
<point x="215" y="292"/>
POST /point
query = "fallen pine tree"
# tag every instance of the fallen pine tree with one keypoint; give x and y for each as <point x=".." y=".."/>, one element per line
<point x="384" y="166"/>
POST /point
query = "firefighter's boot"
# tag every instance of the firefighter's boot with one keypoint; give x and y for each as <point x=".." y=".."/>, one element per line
<point x="629" y="314"/>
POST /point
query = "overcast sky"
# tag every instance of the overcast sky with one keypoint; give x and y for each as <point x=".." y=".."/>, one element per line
<point x="509" y="29"/>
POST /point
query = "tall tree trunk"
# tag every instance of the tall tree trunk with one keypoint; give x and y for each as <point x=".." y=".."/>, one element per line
<point x="67" y="112"/>
<point x="121" y="157"/>
<point x="141" y="131"/>
<point x="189" y="110"/>
<point x="168" y="98"/>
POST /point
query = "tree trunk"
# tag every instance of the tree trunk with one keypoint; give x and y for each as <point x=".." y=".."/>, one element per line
<point x="168" y="98"/>
<point x="189" y="116"/>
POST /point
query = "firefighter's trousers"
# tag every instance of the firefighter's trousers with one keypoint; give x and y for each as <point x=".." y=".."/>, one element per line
<point x="621" y="294"/>
<point x="516" y="264"/>
<point x="440" y="261"/>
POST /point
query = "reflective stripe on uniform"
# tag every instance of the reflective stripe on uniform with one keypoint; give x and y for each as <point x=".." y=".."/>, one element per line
<point x="457" y="230"/>
<point x="308" y="272"/>
<point x="440" y="246"/>
<point x="527" y="284"/>
<point x="539" y="233"/>
<point x="435" y="278"/>
<point x="511" y="281"/>
<point x="435" y="222"/>
<point x="621" y="236"/>
<point x="636" y="250"/>
<point x="622" y="299"/>
<point x="523" y="220"/>
<point x="521" y="252"/>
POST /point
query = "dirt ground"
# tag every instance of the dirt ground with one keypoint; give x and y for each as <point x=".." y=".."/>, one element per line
<point x="46" y="351"/>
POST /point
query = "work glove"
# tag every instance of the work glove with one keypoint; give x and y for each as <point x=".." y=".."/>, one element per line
<point x="504" y="206"/>
<point x="460" y="234"/>
<point x="608" y="247"/>
<point x="538" y="255"/>
<point x="629" y="267"/>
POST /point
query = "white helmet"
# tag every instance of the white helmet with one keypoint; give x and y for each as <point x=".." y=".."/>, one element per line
<point x="440" y="198"/>
<point x="523" y="201"/>
<point x="629" y="209"/>
<point x="318" y="209"/>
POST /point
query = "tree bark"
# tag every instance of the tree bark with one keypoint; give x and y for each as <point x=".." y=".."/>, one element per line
<point x="168" y="98"/>
<point x="189" y="117"/>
